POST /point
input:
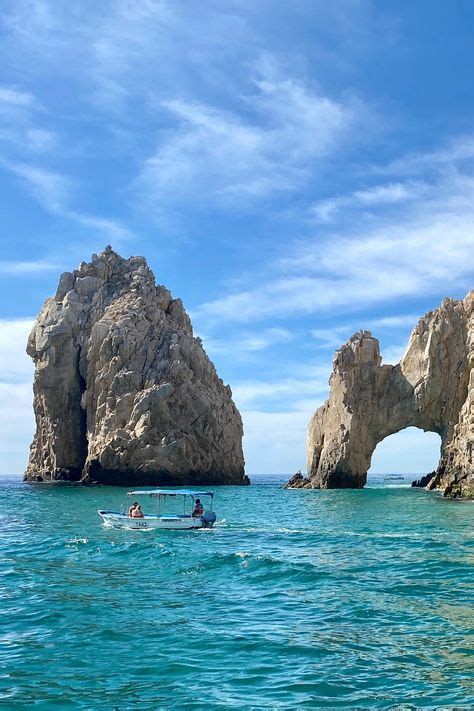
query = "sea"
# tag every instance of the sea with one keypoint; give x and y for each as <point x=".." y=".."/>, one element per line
<point x="295" y="599"/>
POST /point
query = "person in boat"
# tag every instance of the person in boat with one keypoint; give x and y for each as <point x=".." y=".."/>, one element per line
<point x="198" y="508"/>
<point x="132" y="508"/>
<point x="137" y="512"/>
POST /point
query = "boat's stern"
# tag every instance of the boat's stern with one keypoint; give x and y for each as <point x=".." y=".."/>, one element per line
<point x="111" y="518"/>
<point x="208" y="519"/>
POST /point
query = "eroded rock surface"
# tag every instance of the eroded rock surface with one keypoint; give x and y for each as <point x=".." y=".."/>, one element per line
<point x="431" y="388"/>
<point x="123" y="392"/>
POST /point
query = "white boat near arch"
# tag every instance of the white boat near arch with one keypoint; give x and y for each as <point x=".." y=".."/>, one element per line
<point x="182" y="520"/>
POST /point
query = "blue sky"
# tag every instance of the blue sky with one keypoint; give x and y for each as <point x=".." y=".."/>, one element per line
<point x="293" y="171"/>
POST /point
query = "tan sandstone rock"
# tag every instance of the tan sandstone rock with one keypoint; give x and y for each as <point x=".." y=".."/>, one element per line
<point x="123" y="392"/>
<point x="431" y="388"/>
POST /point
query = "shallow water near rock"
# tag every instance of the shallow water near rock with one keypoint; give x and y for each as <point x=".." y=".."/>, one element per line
<point x="308" y="599"/>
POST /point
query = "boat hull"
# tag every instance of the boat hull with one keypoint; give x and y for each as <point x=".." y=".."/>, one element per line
<point x="115" y="519"/>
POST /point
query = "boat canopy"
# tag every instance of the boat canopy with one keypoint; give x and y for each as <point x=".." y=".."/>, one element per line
<point x="171" y="492"/>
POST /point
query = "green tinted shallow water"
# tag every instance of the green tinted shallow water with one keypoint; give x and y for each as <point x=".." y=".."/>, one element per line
<point x="308" y="599"/>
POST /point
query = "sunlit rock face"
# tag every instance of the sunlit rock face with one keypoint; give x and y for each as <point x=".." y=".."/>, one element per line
<point x="431" y="388"/>
<point x="123" y="392"/>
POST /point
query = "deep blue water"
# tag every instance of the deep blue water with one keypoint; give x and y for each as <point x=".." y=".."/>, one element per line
<point x="296" y="599"/>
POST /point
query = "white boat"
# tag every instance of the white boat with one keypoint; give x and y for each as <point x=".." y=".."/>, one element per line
<point x="161" y="520"/>
<point x="393" y="477"/>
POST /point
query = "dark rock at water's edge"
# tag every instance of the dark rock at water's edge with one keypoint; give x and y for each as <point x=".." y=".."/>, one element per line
<point x="423" y="481"/>
<point x="123" y="392"/>
<point x="432" y="388"/>
<point x="297" y="481"/>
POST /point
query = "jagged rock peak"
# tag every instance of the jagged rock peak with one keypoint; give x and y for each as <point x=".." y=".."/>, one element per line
<point x="431" y="388"/>
<point x="123" y="392"/>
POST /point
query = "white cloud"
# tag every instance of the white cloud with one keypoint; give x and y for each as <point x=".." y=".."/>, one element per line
<point x="254" y="393"/>
<point x="50" y="189"/>
<point x="373" y="197"/>
<point x="401" y="320"/>
<point x="423" y="249"/>
<point x="53" y="191"/>
<point x="14" y="363"/>
<point x="246" y="344"/>
<point x="283" y="432"/>
<point x="19" y="113"/>
<point x="460" y="148"/>
<point x="424" y="252"/>
<point x="15" y="97"/>
<point x="271" y="145"/>
<point x="16" y="395"/>
<point x="27" y="267"/>
<point x="16" y="426"/>
<point x="335" y="336"/>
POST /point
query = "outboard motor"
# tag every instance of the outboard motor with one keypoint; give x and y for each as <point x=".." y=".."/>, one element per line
<point x="208" y="519"/>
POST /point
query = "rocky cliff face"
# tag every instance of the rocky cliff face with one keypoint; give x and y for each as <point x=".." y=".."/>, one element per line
<point x="123" y="392"/>
<point x="431" y="388"/>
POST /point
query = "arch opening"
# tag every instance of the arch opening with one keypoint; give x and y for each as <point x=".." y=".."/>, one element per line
<point x="411" y="452"/>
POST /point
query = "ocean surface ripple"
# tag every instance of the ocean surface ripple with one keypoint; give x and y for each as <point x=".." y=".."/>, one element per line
<point x="296" y="599"/>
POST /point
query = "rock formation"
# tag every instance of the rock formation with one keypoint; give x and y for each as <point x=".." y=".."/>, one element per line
<point x="123" y="392"/>
<point x="431" y="388"/>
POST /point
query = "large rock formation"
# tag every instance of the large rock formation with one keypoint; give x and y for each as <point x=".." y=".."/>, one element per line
<point x="123" y="392"/>
<point x="431" y="388"/>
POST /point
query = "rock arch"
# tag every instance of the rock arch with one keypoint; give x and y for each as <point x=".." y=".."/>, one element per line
<point x="431" y="388"/>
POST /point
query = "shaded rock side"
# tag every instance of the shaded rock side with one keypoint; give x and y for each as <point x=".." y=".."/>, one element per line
<point x="431" y="388"/>
<point x="123" y="392"/>
<point x="423" y="481"/>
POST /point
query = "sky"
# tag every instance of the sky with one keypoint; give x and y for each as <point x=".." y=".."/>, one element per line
<point x="293" y="171"/>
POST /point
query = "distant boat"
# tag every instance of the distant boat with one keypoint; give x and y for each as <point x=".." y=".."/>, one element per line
<point x="174" y="521"/>
<point x="393" y="477"/>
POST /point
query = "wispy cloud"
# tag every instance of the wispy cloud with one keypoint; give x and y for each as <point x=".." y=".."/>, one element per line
<point x="245" y="345"/>
<point x="50" y="189"/>
<point x="459" y="149"/>
<point x="351" y="274"/>
<point x="53" y="191"/>
<point x="251" y="394"/>
<point x="277" y="139"/>
<point x="19" y="111"/>
<point x="13" y="97"/>
<point x="22" y="268"/>
<point x="15" y="365"/>
<point x="334" y="336"/>
<point x="231" y="125"/>
<point x="373" y="197"/>
<point x="19" y="116"/>
<point x="419" y="250"/>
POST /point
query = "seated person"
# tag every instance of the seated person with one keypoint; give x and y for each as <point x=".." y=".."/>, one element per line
<point x="131" y="509"/>
<point x="137" y="512"/>
<point x="198" y="508"/>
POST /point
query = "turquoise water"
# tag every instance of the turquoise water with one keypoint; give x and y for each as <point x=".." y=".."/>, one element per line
<point x="297" y="599"/>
